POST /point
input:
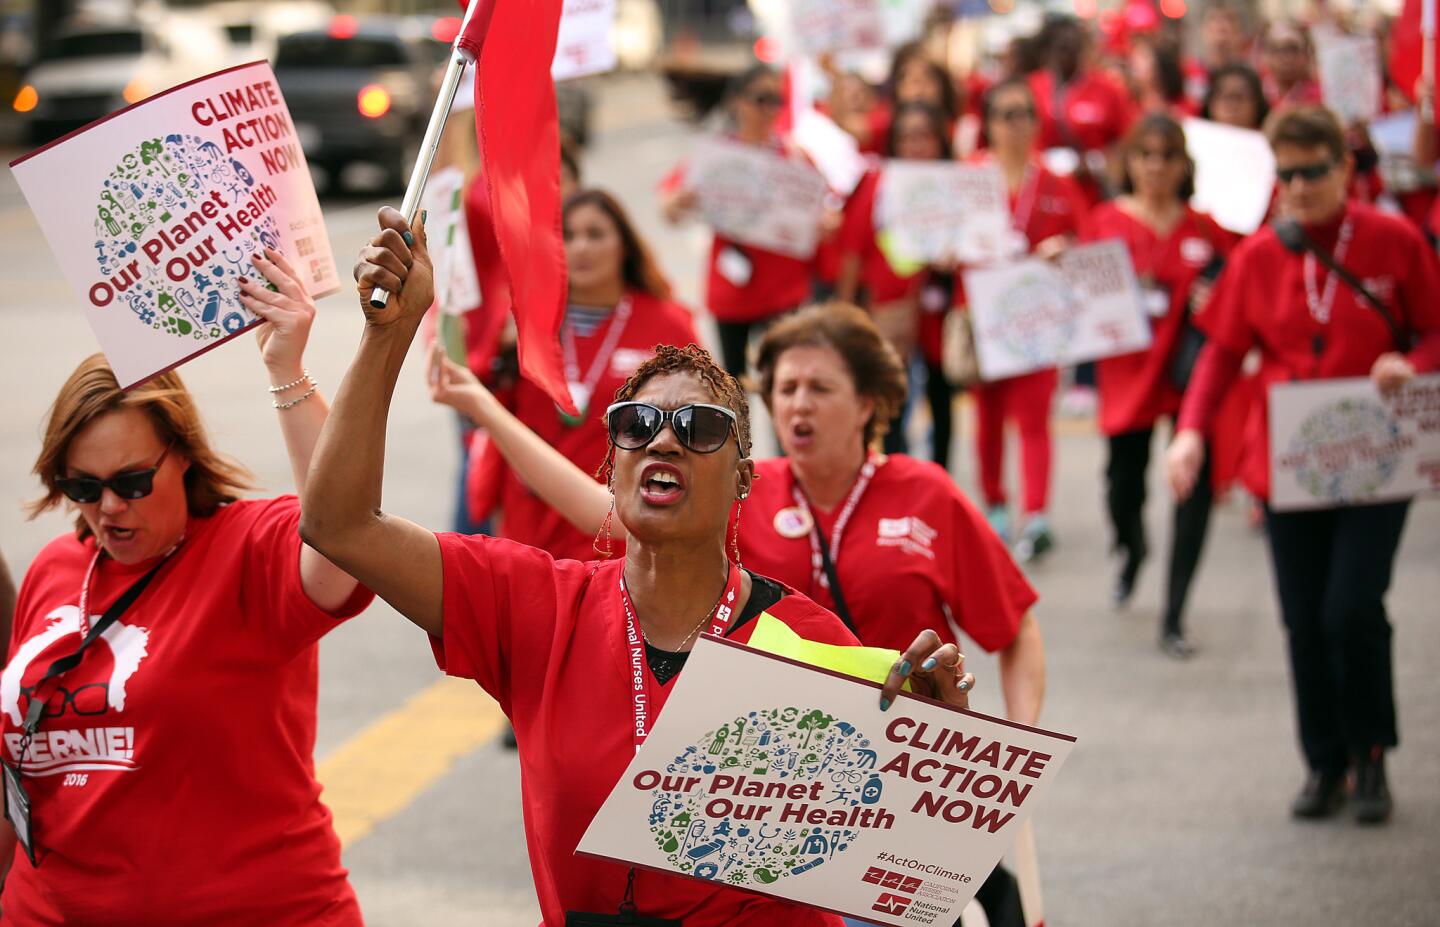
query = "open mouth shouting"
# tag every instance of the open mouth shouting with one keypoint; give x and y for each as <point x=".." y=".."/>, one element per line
<point x="661" y="484"/>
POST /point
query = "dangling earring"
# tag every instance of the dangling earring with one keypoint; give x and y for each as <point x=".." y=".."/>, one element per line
<point x="735" y="530"/>
<point x="608" y="550"/>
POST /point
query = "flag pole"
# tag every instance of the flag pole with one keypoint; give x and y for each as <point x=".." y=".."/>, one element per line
<point x="465" y="51"/>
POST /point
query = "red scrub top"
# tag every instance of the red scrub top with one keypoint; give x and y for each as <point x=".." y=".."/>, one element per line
<point x="546" y="638"/>
<point x="914" y="554"/>
<point x="1135" y="389"/>
<point x="1094" y="111"/>
<point x="857" y="239"/>
<point x="525" y="517"/>
<point x="1260" y="301"/>
<point x="174" y="784"/>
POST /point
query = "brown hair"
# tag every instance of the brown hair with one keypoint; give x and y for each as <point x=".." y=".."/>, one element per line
<point x="1164" y="126"/>
<point x="92" y="391"/>
<point x="695" y="360"/>
<point x="873" y="364"/>
<point x="637" y="265"/>
<point x="1307" y="127"/>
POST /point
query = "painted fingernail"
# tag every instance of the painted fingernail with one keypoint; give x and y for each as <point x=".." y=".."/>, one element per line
<point x="424" y="214"/>
<point x="964" y="685"/>
<point x="884" y="704"/>
<point x="905" y="668"/>
<point x="256" y="257"/>
<point x="928" y="664"/>
<point x="409" y="238"/>
<point x="243" y="279"/>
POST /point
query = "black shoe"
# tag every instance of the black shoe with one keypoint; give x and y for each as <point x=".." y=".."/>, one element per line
<point x="1173" y="644"/>
<point x="1370" y="801"/>
<point x="1125" y="579"/>
<point x="1321" y="796"/>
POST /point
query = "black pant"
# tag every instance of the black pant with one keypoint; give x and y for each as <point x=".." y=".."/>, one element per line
<point x="1332" y="568"/>
<point x="734" y="340"/>
<point x="940" y="394"/>
<point x="1125" y="497"/>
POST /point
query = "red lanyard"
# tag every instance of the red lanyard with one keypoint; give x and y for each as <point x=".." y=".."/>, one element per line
<point x="1318" y="304"/>
<point x="719" y="618"/>
<point x="85" y="592"/>
<point x="818" y="579"/>
<point x="583" y="391"/>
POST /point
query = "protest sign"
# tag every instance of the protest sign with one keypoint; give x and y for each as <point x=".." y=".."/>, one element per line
<point x="775" y="777"/>
<point x="1237" y="199"/>
<point x="457" y="288"/>
<point x="1350" y="74"/>
<point x="818" y="26"/>
<point x="583" y="46"/>
<point x="1033" y="315"/>
<point x="939" y="210"/>
<point x="1341" y="442"/>
<point x="152" y="213"/>
<point x="834" y="152"/>
<point x="758" y="197"/>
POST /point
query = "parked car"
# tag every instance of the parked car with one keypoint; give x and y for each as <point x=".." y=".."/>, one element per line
<point x="359" y="91"/>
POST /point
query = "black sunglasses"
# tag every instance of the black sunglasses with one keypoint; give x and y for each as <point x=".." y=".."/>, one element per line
<point x="1308" y="171"/>
<point x="700" y="427"/>
<point x="136" y="484"/>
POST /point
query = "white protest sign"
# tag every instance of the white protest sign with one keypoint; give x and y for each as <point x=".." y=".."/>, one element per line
<point x="834" y="151"/>
<point x="1033" y="315"/>
<point x="1350" y="74"/>
<point x="940" y="210"/>
<point x="775" y="777"/>
<point x="818" y="26"/>
<point x="758" y="197"/>
<point x="1341" y="442"/>
<point x="457" y="286"/>
<point x="583" y="46"/>
<point x="1234" y="174"/>
<point x="154" y="211"/>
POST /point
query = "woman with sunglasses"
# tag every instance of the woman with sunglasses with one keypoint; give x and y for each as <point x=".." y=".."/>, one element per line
<point x="1047" y="210"/>
<point x="1332" y="566"/>
<point x="619" y="308"/>
<point x="747" y="286"/>
<point x="1171" y="244"/>
<point x="547" y="637"/>
<point x="162" y="768"/>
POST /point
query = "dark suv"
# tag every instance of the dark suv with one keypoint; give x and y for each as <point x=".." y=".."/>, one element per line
<point x="360" y="91"/>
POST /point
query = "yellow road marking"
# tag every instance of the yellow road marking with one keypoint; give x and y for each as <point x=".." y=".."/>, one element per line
<point x="380" y="771"/>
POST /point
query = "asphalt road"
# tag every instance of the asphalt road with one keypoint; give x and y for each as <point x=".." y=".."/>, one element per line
<point x="1171" y="810"/>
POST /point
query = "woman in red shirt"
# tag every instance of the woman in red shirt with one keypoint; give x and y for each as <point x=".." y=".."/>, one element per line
<point x="619" y="309"/>
<point x="1332" y="566"/>
<point x="1047" y="210"/>
<point x="1170" y="244"/>
<point x="547" y="638"/>
<point x="163" y="766"/>
<point x="747" y="286"/>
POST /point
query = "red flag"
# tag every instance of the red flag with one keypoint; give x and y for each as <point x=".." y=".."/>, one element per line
<point x="518" y="130"/>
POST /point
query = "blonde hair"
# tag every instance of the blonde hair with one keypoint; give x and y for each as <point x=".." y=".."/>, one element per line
<point x="212" y="480"/>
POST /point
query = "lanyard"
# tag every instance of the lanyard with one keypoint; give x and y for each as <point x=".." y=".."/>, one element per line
<point x="818" y="579"/>
<point x="582" y="391"/>
<point x="1320" y="304"/>
<point x="719" y="619"/>
<point x="1025" y="202"/>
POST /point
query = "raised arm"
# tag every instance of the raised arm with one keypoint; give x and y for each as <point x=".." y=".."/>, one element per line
<point x="340" y="511"/>
<point x="549" y="474"/>
<point x="288" y="312"/>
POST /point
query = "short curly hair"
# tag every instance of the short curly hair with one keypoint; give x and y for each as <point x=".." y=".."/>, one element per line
<point x="694" y="360"/>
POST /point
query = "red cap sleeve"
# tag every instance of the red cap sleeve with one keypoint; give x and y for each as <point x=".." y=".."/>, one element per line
<point x="988" y="595"/>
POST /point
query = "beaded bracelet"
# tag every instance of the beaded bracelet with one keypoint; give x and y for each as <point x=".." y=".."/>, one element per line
<point x="282" y="406"/>
<point x="305" y="375"/>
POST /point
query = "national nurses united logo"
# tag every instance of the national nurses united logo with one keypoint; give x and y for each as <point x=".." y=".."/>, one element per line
<point x="175" y="223"/>
<point x="1348" y="450"/>
<point x="771" y="794"/>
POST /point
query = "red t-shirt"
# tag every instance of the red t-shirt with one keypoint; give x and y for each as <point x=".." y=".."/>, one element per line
<point x="525" y="517"/>
<point x="1094" y="112"/>
<point x="1260" y="301"/>
<point x="185" y="792"/>
<point x="915" y="554"/>
<point x="857" y="239"/>
<point x="751" y="284"/>
<point x="1135" y="389"/>
<point x="546" y="638"/>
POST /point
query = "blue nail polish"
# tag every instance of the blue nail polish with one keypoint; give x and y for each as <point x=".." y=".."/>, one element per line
<point x="905" y="668"/>
<point x="408" y="238"/>
<point x="928" y="664"/>
<point x="424" y="214"/>
<point x="964" y="687"/>
<point x="884" y="704"/>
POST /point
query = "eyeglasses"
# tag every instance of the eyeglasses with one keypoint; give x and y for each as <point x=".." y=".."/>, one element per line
<point x="135" y="484"/>
<point x="1308" y="171"/>
<point x="1014" y="114"/>
<point x="700" y="427"/>
<point x="766" y="99"/>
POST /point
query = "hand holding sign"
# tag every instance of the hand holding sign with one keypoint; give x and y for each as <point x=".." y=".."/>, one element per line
<point x="287" y="309"/>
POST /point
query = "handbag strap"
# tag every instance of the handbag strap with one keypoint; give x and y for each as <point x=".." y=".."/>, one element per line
<point x="836" y="593"/>
<point x="68" y="663"/>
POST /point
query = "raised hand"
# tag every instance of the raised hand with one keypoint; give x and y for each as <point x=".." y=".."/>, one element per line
<point x="397" y="261"/>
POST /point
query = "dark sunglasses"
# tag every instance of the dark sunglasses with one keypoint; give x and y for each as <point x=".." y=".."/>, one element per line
<point x="136" y="484"/>
<point x="1308" y="171"/>
<point x="766" y="99"/>
<point x="700" y="427"/>
<point x="1014" y="114"/>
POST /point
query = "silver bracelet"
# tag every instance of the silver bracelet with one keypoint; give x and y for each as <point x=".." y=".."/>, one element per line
<point x="303" y="378"/>
<point x="282" y="406"/>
